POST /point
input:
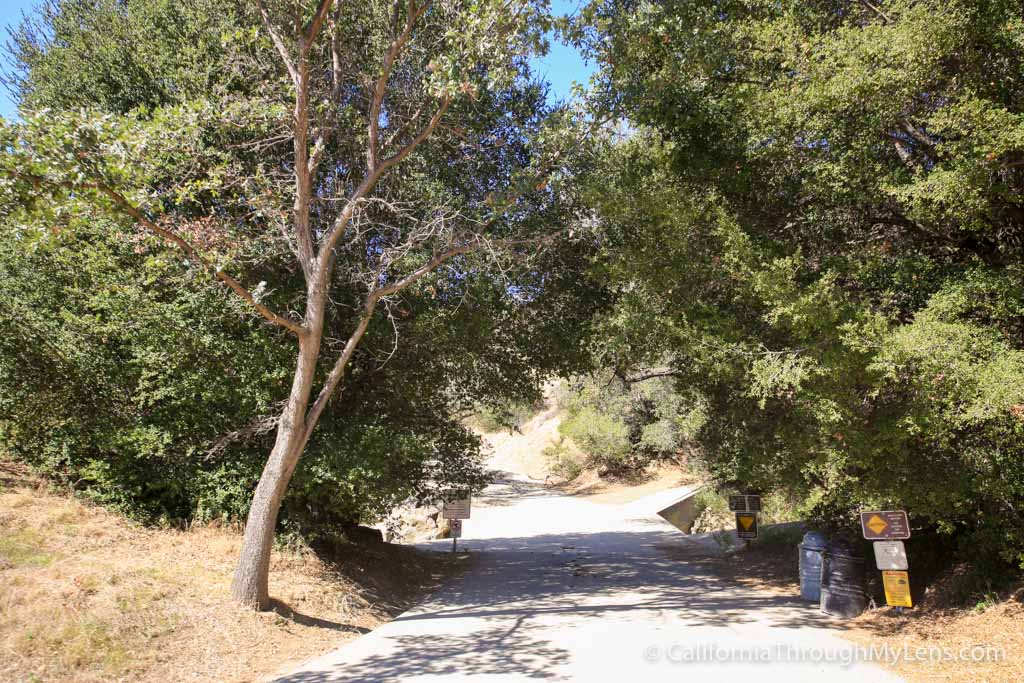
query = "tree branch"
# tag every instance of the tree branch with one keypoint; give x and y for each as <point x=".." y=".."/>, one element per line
<point x="338" y="371"/>
<point x="336" y="83"/>
<point x="326" y="257"/>
<point x="278" y="43"/>
<point x="380" y="87"/>
<point x="311" y="29"/>
<point x="651" y="373"/>
<point x="193" y="255"/>
<point x="446" y="102"/>
<point x="876" y="10"/>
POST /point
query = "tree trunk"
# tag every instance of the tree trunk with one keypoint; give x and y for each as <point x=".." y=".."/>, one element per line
<point x="250" y="584"/>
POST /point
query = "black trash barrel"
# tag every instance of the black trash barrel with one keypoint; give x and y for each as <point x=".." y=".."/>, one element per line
<point x="842" y="581"/>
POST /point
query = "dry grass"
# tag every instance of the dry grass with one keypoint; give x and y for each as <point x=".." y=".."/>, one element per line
<point x="87" y="596"/>
<point x="998" y="624"/>
<point x="609" y="491"/>
<point x="937" y="622"/>
<point x="523" y="452"/>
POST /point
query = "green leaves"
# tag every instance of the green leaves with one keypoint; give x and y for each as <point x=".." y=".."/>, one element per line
<point x="153" y="388"/>
<point x="818" y="219"/>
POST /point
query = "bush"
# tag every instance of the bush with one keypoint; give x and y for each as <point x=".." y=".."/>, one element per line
<point x="562" y="462"/>
<point x="153" y="392"/>
<point x="605" y="439"/>
<point x="624" y="428"/>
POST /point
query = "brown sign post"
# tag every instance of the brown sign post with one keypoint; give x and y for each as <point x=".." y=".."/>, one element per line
<point x="884" y="525"/>
<point x="888" y="528"/>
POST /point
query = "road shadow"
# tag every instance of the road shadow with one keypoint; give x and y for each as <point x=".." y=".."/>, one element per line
<point x="520" y="584"/>
<point x="489" y="652"/>
<point x="282" y="609"/>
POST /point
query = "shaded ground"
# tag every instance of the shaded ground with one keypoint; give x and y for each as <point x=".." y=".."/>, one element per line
<point x="940" y="620"/>
<point x="86" y="596"/>
<point x="567" y="589"/>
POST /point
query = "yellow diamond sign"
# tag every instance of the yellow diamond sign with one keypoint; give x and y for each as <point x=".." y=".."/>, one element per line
<point x="746" y="521"/>
<point x="877" y="524"/>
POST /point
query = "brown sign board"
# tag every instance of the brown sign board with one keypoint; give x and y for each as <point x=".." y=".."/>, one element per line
<point x="884" y="525"/>
<point x="745" y="503"/>
<point x="746" y="525"/>
<point x="456" y="509"/>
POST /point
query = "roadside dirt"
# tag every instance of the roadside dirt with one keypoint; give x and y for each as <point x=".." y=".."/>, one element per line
<point x="522" y="452"/>
<point x="87" y="596"/>
<point x="936" y="624"/>
<point x="657" y="478"/>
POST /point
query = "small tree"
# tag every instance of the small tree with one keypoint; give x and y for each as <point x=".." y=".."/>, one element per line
<point x="376" y="96"/>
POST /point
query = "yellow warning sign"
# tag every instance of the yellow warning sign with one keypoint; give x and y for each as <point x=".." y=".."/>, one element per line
<point x="877" y="524"/>
<point x="897" y="588"/>
<point x="746" y="525"/>
<point x="884" y="525"/>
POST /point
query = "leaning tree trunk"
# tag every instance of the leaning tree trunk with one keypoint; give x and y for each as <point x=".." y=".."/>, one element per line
<point x="250" y="585"/>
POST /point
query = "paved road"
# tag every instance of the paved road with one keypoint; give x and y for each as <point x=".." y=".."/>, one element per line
<point x="562" y="589"/>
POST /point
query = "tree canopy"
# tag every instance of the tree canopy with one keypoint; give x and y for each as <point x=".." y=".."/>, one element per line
<point x="815" y="222"/>
<point x="783" y="237"/>
<point x="376" y="184"/>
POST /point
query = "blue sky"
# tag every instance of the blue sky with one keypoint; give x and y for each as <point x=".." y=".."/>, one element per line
<point x="10" y="15"/>
<point x="560" y="67"/>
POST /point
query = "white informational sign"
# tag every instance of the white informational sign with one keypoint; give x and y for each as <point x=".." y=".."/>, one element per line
<point x="456" y="509"/>
<point x="890" y="555"/>
<point x="456" y="528"/>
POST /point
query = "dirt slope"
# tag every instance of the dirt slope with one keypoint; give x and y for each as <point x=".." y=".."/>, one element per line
<point x="87" y="596"/>
<point x="522" y="452"/>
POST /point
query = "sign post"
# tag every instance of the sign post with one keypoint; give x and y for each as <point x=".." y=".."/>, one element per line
<point x="455" y="511"/>
<point x="888" y="529"/>
<point x="456" y="530"/>
<point x="746" y="508"/>
<point x="746" y="525"/>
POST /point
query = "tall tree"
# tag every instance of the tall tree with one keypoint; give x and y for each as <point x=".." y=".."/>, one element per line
<point x="374" y="104"/>
<point x="817" y="223"/>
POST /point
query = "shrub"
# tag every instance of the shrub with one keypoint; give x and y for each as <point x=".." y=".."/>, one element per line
<point x="562" y="462"/>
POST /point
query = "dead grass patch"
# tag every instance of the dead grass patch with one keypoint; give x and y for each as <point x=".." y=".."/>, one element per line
<point x="87" y="596"/>
<point x="939" y="623"/>
<point x="619" y="490"/>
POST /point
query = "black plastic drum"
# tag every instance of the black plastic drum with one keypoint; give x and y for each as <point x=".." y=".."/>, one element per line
<point x="843" y="591"/>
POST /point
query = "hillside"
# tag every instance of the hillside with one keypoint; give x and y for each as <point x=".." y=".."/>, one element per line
<point x="522" y="452"/>
<point x="87" y="596"/>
